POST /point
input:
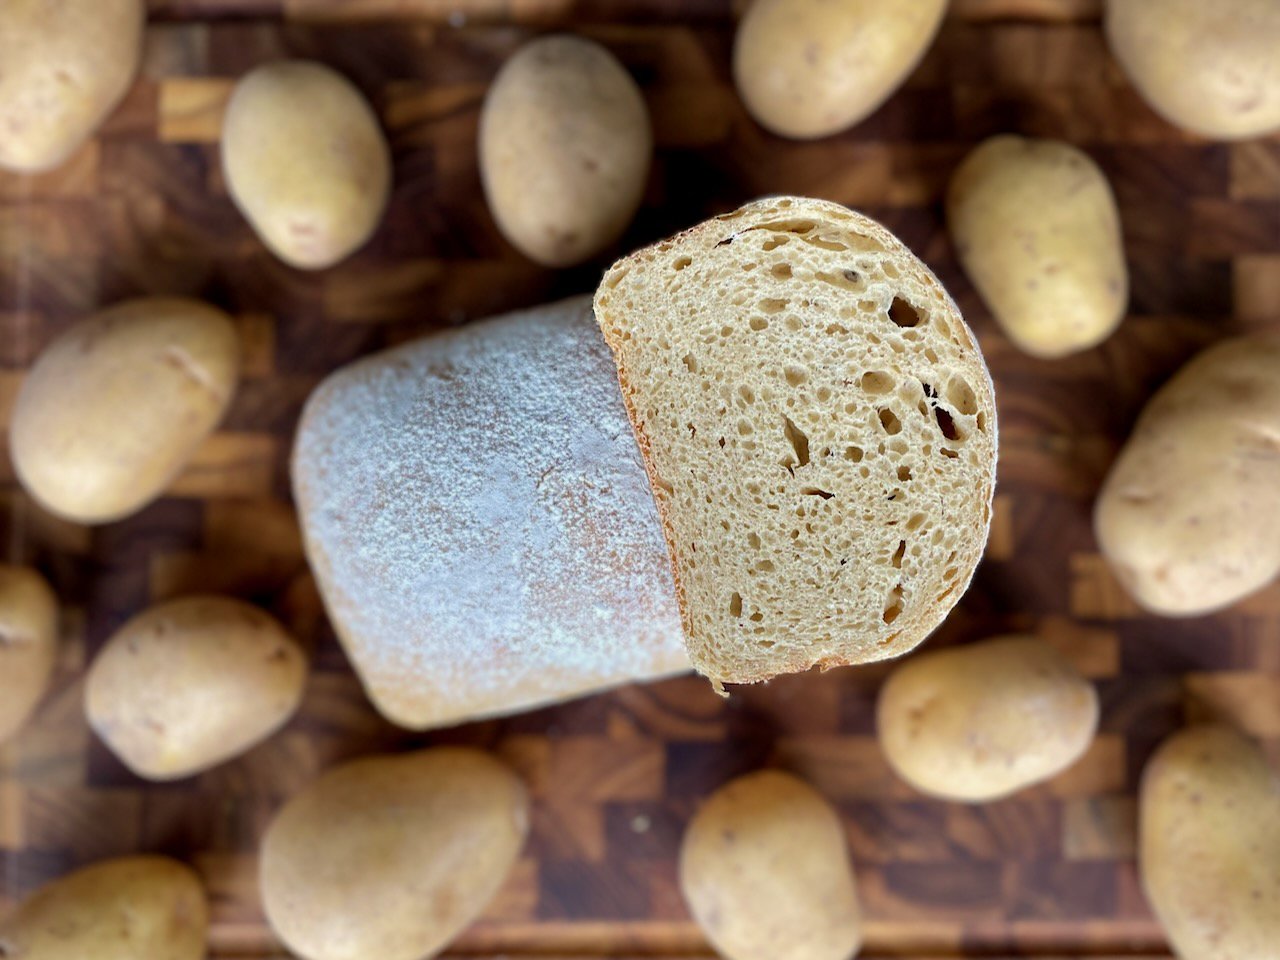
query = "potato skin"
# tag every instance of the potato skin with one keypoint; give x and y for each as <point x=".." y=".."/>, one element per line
<point x="188" y="684"/>
<point x="809" y="69"/>
<point x="1209" y="845"/>
<point x="565" y="147"/>
<point x="428" y="837"/>
<point x="1189" y="517"/>
<point x="115" y="406"/>
<point x="1208" y="67"/>
<point x="66" y="67"/>
<point x="130" y="908"/>
<point x="28" y="644"/>
<point x="1035" y="225"/>
<point x="982" y="721"/>
<point x="306" y="162"/>
<point x="765" y="871"/>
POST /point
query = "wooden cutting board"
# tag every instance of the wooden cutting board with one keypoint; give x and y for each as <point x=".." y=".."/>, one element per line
<point x="143" y="209"/>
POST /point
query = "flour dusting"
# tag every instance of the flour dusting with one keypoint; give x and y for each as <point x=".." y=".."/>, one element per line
<point x="480" y="522"/>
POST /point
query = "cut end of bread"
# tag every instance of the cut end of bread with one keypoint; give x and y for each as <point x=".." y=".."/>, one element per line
<point x="819" y="429"/>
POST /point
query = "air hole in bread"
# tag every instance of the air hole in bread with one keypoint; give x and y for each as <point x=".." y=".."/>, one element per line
<point x="798" y="439"/>
<point x="663" y="485"/>
<point x="773" y="305"/>
<point x="795" y="376"/>
<point x="899" y="553"/>
<point x="616" y="277"/>
<point x="961" y="396"/>
<point x="844" y="280"/>
<point x="793" y="323"/>
<point x="817" y="492"/>
<point x="788" y="226"/>
<point x="826" y="243"/>
<point x="894" y="606"/>
<point x="890" y="422"/>
<point x="877" y="382"/>
<point x="774" y="242"/>
<point x="735" y="604"/>
<point x="836" y="329"/>
<point x="745" y="428"/>
<point x="753" y="541"/>
<point x="756" y="618"/>
<point x="747" y="394"/>
<point x="947" y="424"/>
<point x="915" y="521"/>
<point x="903" y="313"/>
<point x="982" y="422"/>
<point x="691" y="363"/>
<point x="758" y="323"/>
<point x="681" y="263"/>
<point x="889" y="269"/>
<point x="781" y="271"/>
<point x="765" y="566"/>
<point x="853" y="454"/>
<point x="904" y="474"/>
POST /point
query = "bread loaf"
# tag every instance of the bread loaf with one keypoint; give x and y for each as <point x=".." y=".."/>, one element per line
<point x="478" y="518"/>
<point x="820" y="432"/>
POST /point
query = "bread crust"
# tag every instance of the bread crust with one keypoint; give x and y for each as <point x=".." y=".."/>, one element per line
<point x="513" y="557"/>
<point x="920" y="619"/>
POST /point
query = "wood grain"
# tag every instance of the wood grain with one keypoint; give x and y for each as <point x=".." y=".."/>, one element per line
<point x="143" y="209"/>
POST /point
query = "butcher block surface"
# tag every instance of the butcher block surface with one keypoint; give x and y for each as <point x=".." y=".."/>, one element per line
<point x="143" y="209"/>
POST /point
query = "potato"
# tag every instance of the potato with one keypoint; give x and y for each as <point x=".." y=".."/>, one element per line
<point x="191" y="683"/>
<point x="1189" y="516"/>
<point x="306" y="162"/>
<point x="565" y="148"/>
<point x="1210" y="67"/>
<point x="392" y="857"/>
<point x="1209" y="845"/>
<point x="807" y="69"/>
<point x="982" y="721"/>
<point x="66" y="66"/>
<point x="28" y="644"/>
<point x="116" y="405"/>
<point x="1035" y="225"/>
<point x="765" y="871"/>
<point x="131" y="908"/>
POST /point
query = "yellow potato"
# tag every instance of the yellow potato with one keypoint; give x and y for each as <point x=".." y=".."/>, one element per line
<point x="809" y="69"/>
<point x="115" y="406"/>
<point x="565" y="147"/>
<point x="131" y="908"/>
<point x="1035" y="225"/>
<point x="63" y="68"/>
<point x="765" y="871"/>
<point x="979" y="722"/>
<point x="28" y="644"/>
<point x="1210" y="66"/>
<point x="392" y="857"/>
<point x="306" y="162"/>
<point x="1189" y="516"/>
<point x="1209" y="845"/>
<point x="191" y="683"/>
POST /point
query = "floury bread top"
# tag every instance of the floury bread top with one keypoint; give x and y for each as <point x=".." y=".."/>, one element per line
<point x="480" y="524"/>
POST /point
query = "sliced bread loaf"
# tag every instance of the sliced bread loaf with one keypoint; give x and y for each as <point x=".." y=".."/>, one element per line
<point x="819" y="429"/>
<point x="477" y="515"/>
